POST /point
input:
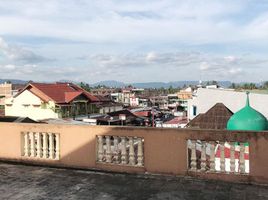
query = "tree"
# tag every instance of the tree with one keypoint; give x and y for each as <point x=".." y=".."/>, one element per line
<point x="233" y="86"/>
<point x="252" y="86"/>
<point x="265" y="85"/>
<point x="85" y="86"/>
<point x="214" y="82"/>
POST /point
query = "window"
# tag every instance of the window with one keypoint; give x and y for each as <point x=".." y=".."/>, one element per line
<point x="194" y="110"/>
<point x="43" y="105"/>
<point x="36" y="106"/>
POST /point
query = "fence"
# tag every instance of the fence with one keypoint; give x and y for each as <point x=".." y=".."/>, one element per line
<point x="210" y="154"/>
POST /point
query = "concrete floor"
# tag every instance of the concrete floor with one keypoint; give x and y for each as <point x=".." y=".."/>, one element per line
<point x="32" y="182"/>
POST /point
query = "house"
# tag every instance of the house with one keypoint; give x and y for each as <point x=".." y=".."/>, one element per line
<point x="7" y="90"/>
<point x="106" y="105"/>
<point x="234" y="100"/>
<point x="50" y="100"/>
<point x="172" y="122"/>
<point x="184" y="96"/>
<point x="122" y="117"/>
<point x="215" y="118"/>
<point x="160" y="101"/>
<point x="127" y="96"/>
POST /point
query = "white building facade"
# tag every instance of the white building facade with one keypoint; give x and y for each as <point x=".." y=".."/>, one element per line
<point x="29" y="105"/>
<point x="206" y="98"/>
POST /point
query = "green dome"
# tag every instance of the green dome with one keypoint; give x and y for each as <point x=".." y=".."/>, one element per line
<point x="247" y="119"/>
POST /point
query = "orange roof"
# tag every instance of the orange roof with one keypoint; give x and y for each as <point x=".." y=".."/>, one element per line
<point x="69" y="96"/>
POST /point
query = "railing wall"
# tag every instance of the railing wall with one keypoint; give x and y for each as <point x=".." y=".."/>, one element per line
<point x="138" y="150"/>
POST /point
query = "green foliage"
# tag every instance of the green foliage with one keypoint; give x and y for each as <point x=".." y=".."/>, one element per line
<point x="233" y="86"/>
<point x="85" y="86"/>
<point x="265" y="85"/>
<point x="212" y="83"/>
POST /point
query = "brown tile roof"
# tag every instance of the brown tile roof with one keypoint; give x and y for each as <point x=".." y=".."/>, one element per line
<point x="215" y="118"/>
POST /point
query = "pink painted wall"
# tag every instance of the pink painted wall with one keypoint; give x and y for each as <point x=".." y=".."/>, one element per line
<point x="165" y="150"/>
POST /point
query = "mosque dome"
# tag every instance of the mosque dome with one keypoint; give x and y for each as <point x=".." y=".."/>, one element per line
<point x="247" y="119"/>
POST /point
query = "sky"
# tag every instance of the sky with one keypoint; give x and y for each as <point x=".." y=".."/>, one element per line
<point x="134" y="41"/>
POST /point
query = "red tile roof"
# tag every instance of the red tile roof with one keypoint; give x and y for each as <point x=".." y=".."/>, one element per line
<point x="177" y="120"/>
<point x="143" y="113"/>
<point x="90" y="96"/>
<point x="59" y="92"/>
<point x="69" y="96"/>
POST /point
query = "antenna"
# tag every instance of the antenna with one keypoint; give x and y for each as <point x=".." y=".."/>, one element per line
<point x="247" y="103"/>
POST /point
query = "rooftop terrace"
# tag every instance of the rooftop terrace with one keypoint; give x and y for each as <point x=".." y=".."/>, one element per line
<point x="130" y="157"/>
<point x="35" y="182"/>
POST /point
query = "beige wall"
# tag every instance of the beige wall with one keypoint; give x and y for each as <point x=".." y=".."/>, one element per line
<point x="165" y="150"/>
<point x="29" y="105"/>
<point x="6" y="91"/>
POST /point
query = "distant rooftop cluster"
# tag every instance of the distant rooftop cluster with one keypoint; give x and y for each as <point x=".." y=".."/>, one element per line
<point x="201" y="106"/>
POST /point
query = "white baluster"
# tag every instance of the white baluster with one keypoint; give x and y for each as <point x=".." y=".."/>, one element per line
<point x="203" y="156"/>
<point x="222" y="157"/>
<point x="57" y="156"/>
<point x="242" y="158"/>
<point x="232" y="157"/>
<point x="212" y="157"/>
<point x="26" y="144"/>
<point x="51" y="145"/>
<point x="100" y="148"/>
<point x="32" y="144"/>
<point x="140" y="152"/>
<point x="108" y="150"/>
<point x="193" y="156"/>
<point x="123" y="151"/>
<point x="45" y="145"/>
<point x="38" y="145"/>
<point x="131" y="151"/>
<point x="115" y="150"/>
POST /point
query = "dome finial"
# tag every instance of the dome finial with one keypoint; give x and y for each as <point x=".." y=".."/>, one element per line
<point x="247" y="103"/>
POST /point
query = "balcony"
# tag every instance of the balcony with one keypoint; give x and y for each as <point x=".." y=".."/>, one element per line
<point x="204" y="154"/>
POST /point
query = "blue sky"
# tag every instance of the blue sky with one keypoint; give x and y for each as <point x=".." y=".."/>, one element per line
<point x="134" y="41"/>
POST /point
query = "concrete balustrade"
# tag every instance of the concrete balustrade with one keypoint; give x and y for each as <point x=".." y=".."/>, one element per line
<point x="120" y="150"/>
<point x="220" y="157"/>
<point x="238" y="156"/>
<point x="41" y="145"/>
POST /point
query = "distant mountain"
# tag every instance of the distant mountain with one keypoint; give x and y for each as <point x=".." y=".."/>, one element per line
<point x="117" y="84"/>
<point x="174" y="84"/>
<point x="14" y="81"/>
<point x="110" y="83"/>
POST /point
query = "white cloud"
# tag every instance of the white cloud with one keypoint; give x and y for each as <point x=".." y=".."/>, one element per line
<point x="205" y="66"/>
<point x="235" y="71"/>
<point x="231" y="59"/>
<point x="151" y="56"/>
<point x="130" y="21"/>
<point x="121" y="37"/>
<point x="145" y="60"/>
<point x="16" y="53"/>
